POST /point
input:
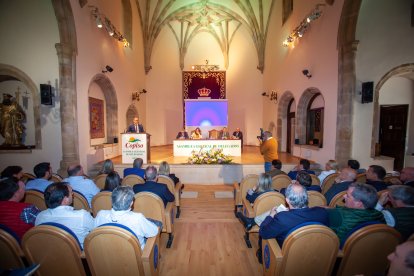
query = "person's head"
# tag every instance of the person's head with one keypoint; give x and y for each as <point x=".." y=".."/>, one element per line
<point x="224" y="129"/>
<point x="407" y="174"/>
<point x="11" y="190"/>
<point x="305" y="164"/>
<point x="138" y="163"/>
<point x="402" y="260"/>
<point x="277" y="164"/>
<point x="331" y="165"/>
<point x="12" y="171"/>
<point x="401" y="195"/>
<point x="164" y="168"/>
<point x="107" y="166"/>
<point x="296" y="196"/>
<point x="264" y="183"/>
<point x="151" y="173"/>
<point x="197" y="130"/>
<point x="135" y="121"/>
<point x="237" y="129"/>
<point x="375" y="173"/>
<point x="304" y="179"/>
<point x="112" y="181"/>
<point x="122" y="198"/>
<point x="58" y="194"/>
<point x="75" y="170"/>
<point x="353" y="164"/>
<point x="43" y="170"/>
<point x="347" y="174"/>
<point x="361" y="196"/>
<point x="267" y="135"/>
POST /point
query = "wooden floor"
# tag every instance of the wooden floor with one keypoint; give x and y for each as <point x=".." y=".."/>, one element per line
<point x="208" y="239"/>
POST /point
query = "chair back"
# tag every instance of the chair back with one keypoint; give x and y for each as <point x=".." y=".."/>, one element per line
<point x="56" y="178"/>
<point x="247" y="183"/>
<point x="129" y="259"/>
<point x="315" y="180"/>
<point x="101" y="201"/>
<point x="267" y="201"/>
<point x="213" y="134"/>
<point x="26" y="177"/>
<point x="328" y="182"/>
<point x="56" y="250"/>
<point x="10" y="251"/>
<point x="338" y="200"/>
<point x="280" y="181"/>
<point x="132" y="179"/>
<point x="365" y="251"/>
<point x="150" y="205"/>
<point x="309" y="250"/>
<point x="80" y="202"/>
<point x="316" y="199"/>
<point x="361" y="178"/>
<point x="100" y="180"/>
<point x="392" y="179"/>
<point x="36" y="198"/>
<point x="167" y="181"/>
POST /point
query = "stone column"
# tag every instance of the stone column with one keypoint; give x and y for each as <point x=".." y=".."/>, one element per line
<point x="68" y="106"/>
<point x="346" y="92"/>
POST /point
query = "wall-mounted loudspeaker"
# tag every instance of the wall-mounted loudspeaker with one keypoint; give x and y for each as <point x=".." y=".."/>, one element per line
<point x="46" y="94"/>
<point x="367" y="92"/>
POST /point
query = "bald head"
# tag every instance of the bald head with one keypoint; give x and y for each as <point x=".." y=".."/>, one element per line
<point x="407" y="174"/>
<point x="347" y="174"/>
<point x="75" y="170"/>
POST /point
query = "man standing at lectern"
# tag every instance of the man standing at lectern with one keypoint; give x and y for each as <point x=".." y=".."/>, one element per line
<point x="136" y="127"/>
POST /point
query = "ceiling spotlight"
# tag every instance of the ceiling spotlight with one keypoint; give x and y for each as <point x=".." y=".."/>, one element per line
<point x="306" y="73"/>
<point x="98" y="22"/>
<point x="108" y="69"/>
<point x="264" y="94"/>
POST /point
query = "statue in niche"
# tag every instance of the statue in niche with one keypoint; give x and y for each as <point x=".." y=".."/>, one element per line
<point x="12" y="116"/>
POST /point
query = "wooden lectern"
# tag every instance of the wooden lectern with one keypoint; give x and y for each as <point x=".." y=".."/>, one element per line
<point x="135" y="145"/>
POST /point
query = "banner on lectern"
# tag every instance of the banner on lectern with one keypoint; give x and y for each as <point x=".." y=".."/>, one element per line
<point x="134" y="145"/>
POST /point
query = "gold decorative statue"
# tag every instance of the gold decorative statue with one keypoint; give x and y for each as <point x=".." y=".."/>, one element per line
<point x="11" y="120"/>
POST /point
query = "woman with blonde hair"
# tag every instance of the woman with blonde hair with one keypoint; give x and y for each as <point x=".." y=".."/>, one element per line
<point x="107" y="167"/>
<point x="197" y="134"/>
<point x="164" y="169"/>
<point x="264" y="185"/>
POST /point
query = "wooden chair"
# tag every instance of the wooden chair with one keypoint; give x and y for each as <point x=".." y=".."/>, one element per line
<point x="315" y="180"/>
<point x="55" y="248"/>
<point x="105" y="240"/>
<point x="361" y="178"/>
<point x="308" y="250"/>
<point x="262" y="204"/>
<point x="132" y="179"/>
<point x="152" y="206"/>
<point x="101" y="201"/>
<point x="80" y="202"/>
<point x="316" y="199"/>
<point x="240" y="190"/>
<point x="56" y="178"/>
<point x="213" y="134"/>
<point x="26" y="177"/>
<point x="338" y="200"/>
<point x="365" y="251"/>
<point x="100" y="180"/>
<point x="174" y="189"/>
<point x="10" y="252"/>
<point x="36" y="198"/>
<point x="392" y="179"/>
<point x="328" y="182"/>
<point x="280" y="181"/>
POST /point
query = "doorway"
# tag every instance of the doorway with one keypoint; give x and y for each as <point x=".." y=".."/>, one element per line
<point x="290" y="130"/>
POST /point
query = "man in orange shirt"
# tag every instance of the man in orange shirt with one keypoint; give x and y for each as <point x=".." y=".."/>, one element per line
<point x="268" y="148"/>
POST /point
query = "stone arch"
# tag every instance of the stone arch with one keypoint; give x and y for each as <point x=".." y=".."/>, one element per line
<point x="131" y="112"/>
<point x="302" y="111"/>
<point x="397" y="71"/>
<point x="8" y="70"/>
<point x="127" y="20"/>
<point x="282" y="116"/>
<point x="111" y="105"/>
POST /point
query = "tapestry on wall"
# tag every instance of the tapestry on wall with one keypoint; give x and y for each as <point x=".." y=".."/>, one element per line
<point x="198" y="84"/>
<point x="96" y="118"/>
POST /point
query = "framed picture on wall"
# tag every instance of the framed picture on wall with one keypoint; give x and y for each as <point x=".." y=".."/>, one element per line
<point x="96" y="118"/>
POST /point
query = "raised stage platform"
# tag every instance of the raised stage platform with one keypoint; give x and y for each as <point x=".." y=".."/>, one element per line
<point x="251" y="161"/>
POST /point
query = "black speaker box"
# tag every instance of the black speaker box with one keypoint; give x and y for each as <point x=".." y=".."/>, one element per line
<point x="46" y="94"/>
<point x="367" y="92"/>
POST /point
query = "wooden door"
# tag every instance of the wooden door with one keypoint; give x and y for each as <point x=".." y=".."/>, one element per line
<point x="393" y="129"/>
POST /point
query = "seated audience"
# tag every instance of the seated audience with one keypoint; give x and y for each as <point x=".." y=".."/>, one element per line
<point x="182" y="135"/>
<point x="402" y="260"/>
<point x="375" y="177"/>
<point x="345" y="178"/>
<point x="304" y="179"/>
<point x="224" y="133"/>
<point x="276" y="168"/>
<point x="354" y="164"/>
<point x="152" y="186"/>
<point x="197" y="134"/>
<point x="112" y="181"/>
<point x="16" y="215"/>
<point x="401" y="214"/>
<point x="407" y="176"/>
<point x="122" y="200"/>
<point x="12" y="171"/>
<point x="58" y="198"/>
<point x="264" y="185"/>
<point x="136" y="168"/>
<point x="164" y="169"/>
<point x="81" y="184"/>
<point x="43" y="172"/>
<point x="360" y="201"/>
<point x="330" y="167"/>
<point x="107" y="167"/>
<point x="304" y="165"/>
